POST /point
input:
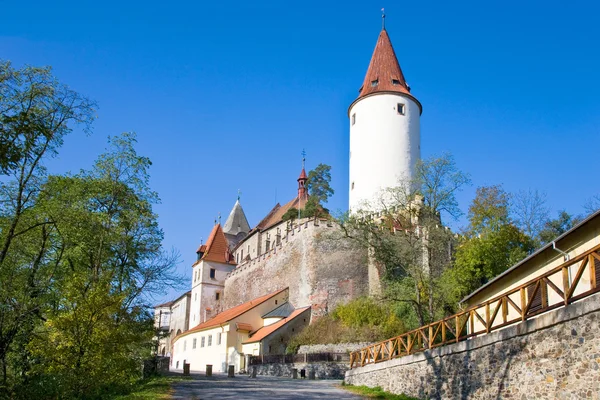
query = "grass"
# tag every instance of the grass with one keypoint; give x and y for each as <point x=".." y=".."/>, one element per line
<point x="156" y="388"/>
<point x="376" y="393"/>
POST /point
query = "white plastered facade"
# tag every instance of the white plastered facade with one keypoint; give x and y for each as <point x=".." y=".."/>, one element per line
<point x="385" y="146"/>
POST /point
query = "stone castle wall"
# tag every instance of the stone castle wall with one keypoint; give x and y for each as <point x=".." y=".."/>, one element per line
<point x="556" y="355"/>
<point x="320" y="269"/>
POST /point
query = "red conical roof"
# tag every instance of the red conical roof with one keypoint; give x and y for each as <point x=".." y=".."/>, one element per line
<point x="384" y="73"/>
<point x="302" y="174"/>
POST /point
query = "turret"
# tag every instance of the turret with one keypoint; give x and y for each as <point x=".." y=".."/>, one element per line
<point x="384" y="129"/>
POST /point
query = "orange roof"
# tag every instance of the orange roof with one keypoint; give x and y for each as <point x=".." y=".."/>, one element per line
<point x="232" y="313"/>
<point x="216" y="248"/>
<point x="267" y="330"/>
<point x="384" y="73"/>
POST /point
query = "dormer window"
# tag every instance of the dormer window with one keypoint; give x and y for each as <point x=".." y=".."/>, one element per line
<point x="395" y="82"/>
<point x="375" y="83"/>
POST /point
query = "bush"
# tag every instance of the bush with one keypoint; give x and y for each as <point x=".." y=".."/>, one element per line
<point x="361" y="320"/>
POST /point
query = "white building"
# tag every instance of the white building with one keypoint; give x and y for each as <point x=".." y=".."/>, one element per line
<point x="384" y="129"/>
<point x="220" y="341"/>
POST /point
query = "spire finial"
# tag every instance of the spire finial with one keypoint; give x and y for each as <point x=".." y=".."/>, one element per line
<point x="239" y="194"/>
<point x="219" y="218"/>
<point x="383" y="18"/>
<point x="303" y="158"/>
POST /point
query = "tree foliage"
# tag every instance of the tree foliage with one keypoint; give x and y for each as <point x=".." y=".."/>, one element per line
<point x="406" y="238"/>
<point x="491" y="244"/>
<point x="79" y="254"/>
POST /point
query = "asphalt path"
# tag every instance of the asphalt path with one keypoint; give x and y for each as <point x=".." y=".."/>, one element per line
<point x="220" y="386"/>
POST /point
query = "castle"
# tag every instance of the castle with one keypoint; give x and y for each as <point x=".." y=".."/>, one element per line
<point x="252" y="288"/>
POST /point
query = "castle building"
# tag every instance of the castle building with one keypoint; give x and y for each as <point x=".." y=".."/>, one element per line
<point x="385" y="142"/>
<point x="252" y="288"/>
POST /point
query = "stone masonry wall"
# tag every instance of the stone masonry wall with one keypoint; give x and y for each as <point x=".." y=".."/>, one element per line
<point x="556" y="355"/>
<point x="323" y="370"/>
<point x="320" y="269"/>
<point x="331" y="348"/>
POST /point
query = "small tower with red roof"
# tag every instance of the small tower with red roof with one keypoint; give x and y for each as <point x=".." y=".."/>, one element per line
<point x="384" y="129"/>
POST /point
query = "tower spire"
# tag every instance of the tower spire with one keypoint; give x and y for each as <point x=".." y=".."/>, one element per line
<point x="302" y="179"/>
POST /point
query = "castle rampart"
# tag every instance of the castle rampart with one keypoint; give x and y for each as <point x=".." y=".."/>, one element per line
<point x="320" y="270"/>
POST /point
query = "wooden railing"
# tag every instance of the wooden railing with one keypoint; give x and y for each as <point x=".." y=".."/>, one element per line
<point x="555" y="288"/>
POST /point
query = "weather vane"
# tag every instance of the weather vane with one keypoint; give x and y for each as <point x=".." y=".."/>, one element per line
<point x="383" y="18"/>
<point x="303" y="157"/>
<point x="239" y="194"/>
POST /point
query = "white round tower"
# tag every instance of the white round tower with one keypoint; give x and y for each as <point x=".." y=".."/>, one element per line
<point x="384" y="129"/>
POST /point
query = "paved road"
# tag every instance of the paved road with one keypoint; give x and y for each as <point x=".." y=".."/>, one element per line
<point x="262" y="387"/>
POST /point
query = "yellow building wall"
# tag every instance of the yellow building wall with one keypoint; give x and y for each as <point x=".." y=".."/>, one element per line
<point x="575" y="244"/>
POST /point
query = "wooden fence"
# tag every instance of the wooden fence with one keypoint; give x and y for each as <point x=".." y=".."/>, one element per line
<point x="555" y="288"/>
<point x="299" y="358"/>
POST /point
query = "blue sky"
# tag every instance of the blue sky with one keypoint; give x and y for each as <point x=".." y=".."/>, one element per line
<point x="225" y="96"/>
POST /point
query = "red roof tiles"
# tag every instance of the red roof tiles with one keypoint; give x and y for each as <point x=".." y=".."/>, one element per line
<point x="267" y="330"/>
<point x="216" y="248"/>
<point x="232" y="313"/>
<point x="384" y="73"/>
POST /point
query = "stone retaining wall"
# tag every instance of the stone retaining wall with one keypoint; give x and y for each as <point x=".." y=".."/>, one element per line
<point x="324" y="370"/>
<point x="556" y="355"/>
<point x="331" y="348"/>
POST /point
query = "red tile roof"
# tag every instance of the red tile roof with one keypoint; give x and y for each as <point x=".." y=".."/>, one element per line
<point x="302" y="174"/>
<point x="217" y="248"/>
<point x="232" y="313"/>
<point x="384" y="73"/>
<point x="267" y="330"/>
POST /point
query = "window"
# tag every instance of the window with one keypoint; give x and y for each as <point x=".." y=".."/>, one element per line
<point x="195" y="296"/>
<point x="212" y="273"/>
<point x="202" y="341"/>
<point x="268" y="244"/>
<point x="209" y="340"/>
<point x="539" y="300"/>
<point x="352" y="188"/>
<point x="184" y="345"/>
<point x="218" y="338"/>
<point x="395" y="82"/>
<point x="400" y="108"/>
<point x="375" y="83"/>
<point x="217" y="295"/>
<point x="194" y="343"/>
<point x="275" y="302"/>
<point x="353" y="118"/>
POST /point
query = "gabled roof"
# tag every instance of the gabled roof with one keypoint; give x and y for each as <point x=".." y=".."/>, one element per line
<point x="384" y="73"/>
<point x="282" y="311"/>
<point x="590" y="218"/>
<point x="216" y="248"/>
<point x="276" y="214"/>
<point x="237" y="221"/>
<point x="167" y="304"/>
<point x="232" y="313"/>
<point x="269" y="329"/>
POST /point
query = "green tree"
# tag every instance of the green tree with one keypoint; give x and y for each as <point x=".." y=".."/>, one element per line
<point x="318" y="183"/>
<point x="407" y="240"/>
<point x="491" y="244"/>
<point x="556" y="227"/>
<point x="36" y="113"/>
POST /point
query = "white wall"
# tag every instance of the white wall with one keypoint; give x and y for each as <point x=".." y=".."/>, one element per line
<point x="384" y="145"/>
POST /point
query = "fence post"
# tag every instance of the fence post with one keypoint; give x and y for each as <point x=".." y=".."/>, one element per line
<point x="523" y="303"/>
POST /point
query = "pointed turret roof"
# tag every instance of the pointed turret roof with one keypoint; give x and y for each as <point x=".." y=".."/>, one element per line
<point x="237" y="221"/>
<point x="217" y="248"/>
<point x="384" y="73"/>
